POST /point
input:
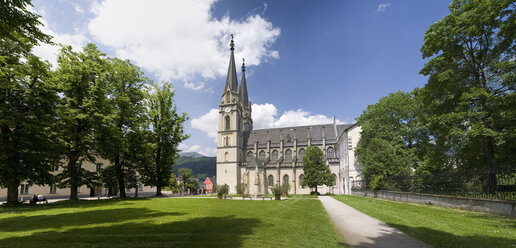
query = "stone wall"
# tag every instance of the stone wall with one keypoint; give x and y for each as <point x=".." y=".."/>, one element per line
<point x="501" y="207"/>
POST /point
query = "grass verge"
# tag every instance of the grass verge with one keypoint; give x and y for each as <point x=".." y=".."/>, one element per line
<point x="438" y="226"/>
<point x="169" y="222"/>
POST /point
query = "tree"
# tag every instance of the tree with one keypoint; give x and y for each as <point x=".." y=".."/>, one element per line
<point x="392" y="142"/>
<point x="172" y="183"/>
<point x="121" y="133"/>
<point x="164" y="136"/>
<point x="472" y="81"/>
<point x="81" y="78"/>
<point x="20" y="25"/>
<point x="27" y="113"/>
<point x="188" y="180"/>
<point x="316" y="172"/>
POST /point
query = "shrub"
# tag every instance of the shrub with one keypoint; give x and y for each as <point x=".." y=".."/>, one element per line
<point x="285" y="188"/>
<point x="240" y="189"/>
<point x="222" y="190"/>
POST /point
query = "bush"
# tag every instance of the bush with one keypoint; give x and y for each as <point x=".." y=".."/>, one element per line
<point x="222" y="190"/>
<point x="240" y="189"/>
<point x="314" y="193"/>
<point x="285" y="188"/>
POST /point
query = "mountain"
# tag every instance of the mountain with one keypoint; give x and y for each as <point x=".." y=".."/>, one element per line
<point x="200" y="165"/>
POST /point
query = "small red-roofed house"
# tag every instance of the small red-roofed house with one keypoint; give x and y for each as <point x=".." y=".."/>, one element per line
<point x="209" y="185"/>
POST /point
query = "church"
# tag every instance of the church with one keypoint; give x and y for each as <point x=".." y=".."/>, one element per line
<point x="262" y="158"/>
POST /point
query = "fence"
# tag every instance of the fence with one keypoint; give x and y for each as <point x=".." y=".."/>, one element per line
<point x="483" y="184"/>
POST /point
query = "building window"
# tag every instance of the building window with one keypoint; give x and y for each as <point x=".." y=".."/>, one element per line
<point x="301" y="154"/>
<point x="301" y="178"/>
<point x="274" y="155"/>
<point x="227" y="97"/>
<point x="228" y="126"/>
<point x="334" y="180"/>
<point x="288" y="155"/>
<point x="285" y="179"/>
<point x="262" y="156"/>
<point x="227" y="141"/>
<point x="249" y="156"/>
<point x="350" y="144"/>
<point x="24" y="189"/>
<point x="271" y="180"/>
<point x="330" y="153"/>
<point x="226" y="157"/>
<point x="53" y="189"/>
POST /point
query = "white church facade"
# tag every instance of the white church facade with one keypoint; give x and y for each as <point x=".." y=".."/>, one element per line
<point x="263" y="158"/>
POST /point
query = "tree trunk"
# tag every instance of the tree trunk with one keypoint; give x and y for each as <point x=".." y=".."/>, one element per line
<point x="158" y="190"/>
<point x="72" y="167"/>
<point x="491" y="164"/>
<point x="12" y="192"/>
<point x="120" y="177"/>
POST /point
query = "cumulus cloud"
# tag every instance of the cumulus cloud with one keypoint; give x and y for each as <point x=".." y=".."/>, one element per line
<point x="208" y="123"/>
<point x="382" y="7"/>
<point x="180" y="39"/>
<point x="210" y="152"/>
<point x="193" y="86"/>
<point x="264" y="116"/>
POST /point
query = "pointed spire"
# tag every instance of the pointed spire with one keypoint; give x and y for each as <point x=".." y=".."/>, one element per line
<point x="231" y="79"/>
<point x="243" y="89"/>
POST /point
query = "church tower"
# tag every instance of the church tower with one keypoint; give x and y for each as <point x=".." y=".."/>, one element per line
<point x="234" y="122"/>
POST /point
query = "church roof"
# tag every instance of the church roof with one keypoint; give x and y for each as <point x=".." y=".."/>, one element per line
<point x="301" y="133"/>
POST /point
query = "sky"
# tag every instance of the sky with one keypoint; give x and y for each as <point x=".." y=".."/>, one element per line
<point x="306" y="61"/>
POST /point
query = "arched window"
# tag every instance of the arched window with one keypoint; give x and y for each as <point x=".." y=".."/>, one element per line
<point x="301" y="154"/>
<point x="227" y="97"/>
<point x="228" y="126"/>
<point x="249" y="156"/>
<point x="274" y="155"/>
<point x="334" y="180"/>
<point x="285" y="179"/>
<point x="301" y="178"/>
<point x="262" y="156"/>
<point x="226" y="156"/>
<point x="330" y="153"/>
<point x="271" y="180"/>
<point x="288" y="155"/>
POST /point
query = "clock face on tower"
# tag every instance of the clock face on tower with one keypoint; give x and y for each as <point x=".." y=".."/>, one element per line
<point x="227" y="109"/>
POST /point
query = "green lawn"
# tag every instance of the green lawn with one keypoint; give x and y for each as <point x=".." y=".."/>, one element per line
<point x="437" y="226"/>
<point x="169" y="222"/>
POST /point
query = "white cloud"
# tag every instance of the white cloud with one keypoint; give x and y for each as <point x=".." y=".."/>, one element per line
<point x="49" y="52"/>
<point x="78" y="8"/>
<point x="180" y="39"/>
<point x="210" y="152"/>
<point x="382" y="7"/>
<point x="208" y="123"/>
<point x="264" y="116"/>
<point x="192" y="86"/>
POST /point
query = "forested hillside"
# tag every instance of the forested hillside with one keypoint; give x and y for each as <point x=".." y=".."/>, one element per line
<point x="200" y="165"/>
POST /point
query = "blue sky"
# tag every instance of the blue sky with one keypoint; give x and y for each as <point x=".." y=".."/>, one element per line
<point x="307" y="61"/>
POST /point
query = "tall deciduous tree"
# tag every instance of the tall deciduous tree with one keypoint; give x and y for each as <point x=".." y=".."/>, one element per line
<point x="165" y="135"/>
<point x="316" y="172"/>
<point x="81" y="77"/>
<point x="392" y="140"/>
<point x="121" y="135"/>
<point x="27" y="113"/>
<point x="472" y="81"/>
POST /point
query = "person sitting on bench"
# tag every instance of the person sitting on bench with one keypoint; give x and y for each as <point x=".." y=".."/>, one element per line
<point x="41" y="198"/>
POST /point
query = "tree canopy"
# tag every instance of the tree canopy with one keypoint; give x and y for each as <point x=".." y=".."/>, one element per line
<point x="316" y="172"/>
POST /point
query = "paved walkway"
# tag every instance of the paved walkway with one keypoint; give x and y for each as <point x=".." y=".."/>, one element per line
<point x="360" y="230"/>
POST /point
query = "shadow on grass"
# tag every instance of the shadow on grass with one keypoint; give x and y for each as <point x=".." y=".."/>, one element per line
<point x="72" y="204"/>
<point x="435" y="238"/>
<point x="196" y="232"/>
<point x="101" y="216"/>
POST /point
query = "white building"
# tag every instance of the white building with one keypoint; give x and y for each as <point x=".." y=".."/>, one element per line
<point x="263" y="158"/>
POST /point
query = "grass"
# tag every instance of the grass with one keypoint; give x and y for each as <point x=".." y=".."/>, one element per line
<point x="437" y="226"/>
<point x="169" y="222"/>
<point x="302" y="196"/>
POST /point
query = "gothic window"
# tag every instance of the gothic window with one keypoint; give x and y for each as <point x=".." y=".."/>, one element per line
<point x="227" y="141"/>
<point x="330" y="153"/>
<point x="227" y="97"/>
<point x="274" y="155"/>
<point x="249" y="156"/>
<point x="262" y="156"/>
<point x="228" y="126"/>
<point x="288" y="155"/>
<point x="226" y="157"/>
<point x="301" y="178"/>
<point x="301" y="154"/>
<point x="271" y="180"/>
<point x="285" y="179"/>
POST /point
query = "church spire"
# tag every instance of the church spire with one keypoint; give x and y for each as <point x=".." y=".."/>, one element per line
<point x="243" y="88"/>
<point x="231" y="79"/>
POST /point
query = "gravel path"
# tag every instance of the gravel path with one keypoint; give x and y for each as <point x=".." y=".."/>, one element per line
<point x="360" y="230"/>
